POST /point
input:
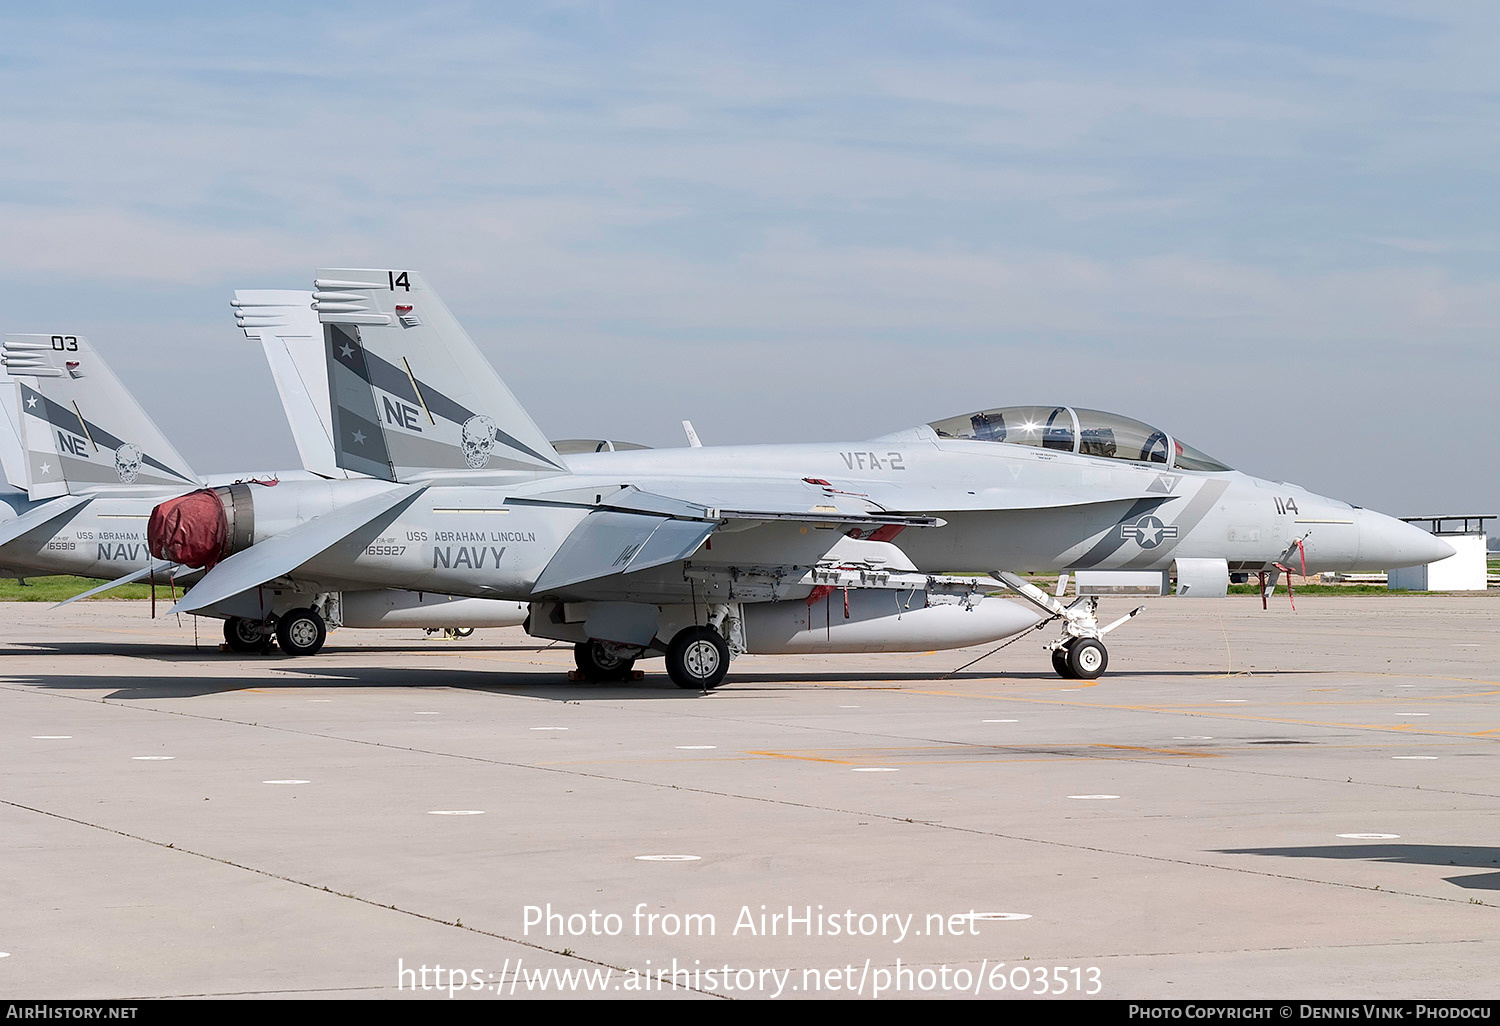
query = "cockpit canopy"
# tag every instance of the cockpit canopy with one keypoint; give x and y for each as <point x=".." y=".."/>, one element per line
<point x="1070" y="429"/>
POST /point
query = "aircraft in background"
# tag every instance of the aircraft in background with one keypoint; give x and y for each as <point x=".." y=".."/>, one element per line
<point x="89" y="465"/>
<point x="698" y="554"/>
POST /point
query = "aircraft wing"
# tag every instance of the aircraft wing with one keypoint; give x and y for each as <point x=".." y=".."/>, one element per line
<point x="40" y="516"/>
<point x="722" y="500"/>
<point x="610" y="542"/>
<point x="631" y="530"/>
<point x="822" y="501"/>
<point x="285" y="552"/>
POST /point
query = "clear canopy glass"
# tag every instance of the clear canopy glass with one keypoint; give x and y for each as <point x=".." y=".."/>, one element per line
<point x="1086" y="432"/>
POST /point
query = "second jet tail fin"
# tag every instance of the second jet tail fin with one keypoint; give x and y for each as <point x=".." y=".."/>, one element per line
<point x="81" y="430"/>
<point x="12" y="456"/>
<point x="412" y="396"/>
<point x="287" y="328"/>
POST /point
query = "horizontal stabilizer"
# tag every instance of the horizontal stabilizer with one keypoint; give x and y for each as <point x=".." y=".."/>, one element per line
<point x="285" y="552"/>
<point x="609" y="543"/>
<point x="40" y="516"/>
<point x="156" y="566"/>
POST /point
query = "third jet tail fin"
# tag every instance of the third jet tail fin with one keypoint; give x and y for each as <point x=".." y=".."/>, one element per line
<point x="81" y="430"/>
<point x="412" y="396"/>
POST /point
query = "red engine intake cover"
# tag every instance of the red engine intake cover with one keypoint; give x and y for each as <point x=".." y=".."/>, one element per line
<point x="190" y="529"/>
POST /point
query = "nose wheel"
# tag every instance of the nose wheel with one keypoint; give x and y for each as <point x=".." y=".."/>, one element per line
<point x="1081" y="659"/>
<point x="1079" y="654"/>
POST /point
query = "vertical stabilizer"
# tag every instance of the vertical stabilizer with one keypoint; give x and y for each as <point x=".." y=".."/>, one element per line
<point x="287" y="328"/>
<point x="411" y="394"/>
<point x="12" y="457"/>
<point x="81" y="431"/>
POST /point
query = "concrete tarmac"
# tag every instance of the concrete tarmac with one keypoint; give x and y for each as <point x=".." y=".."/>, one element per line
<point x="1281" y="805"/>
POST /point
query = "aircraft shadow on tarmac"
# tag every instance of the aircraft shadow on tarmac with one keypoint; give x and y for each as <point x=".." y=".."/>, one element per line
<point x="210" y="648"/>
<point x="1466" y="856"/>
<point x="538" y="683"/>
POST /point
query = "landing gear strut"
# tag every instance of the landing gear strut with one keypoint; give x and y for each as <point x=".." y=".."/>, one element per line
<point x="1080" y="653"/>
<point x="698" y="658"/>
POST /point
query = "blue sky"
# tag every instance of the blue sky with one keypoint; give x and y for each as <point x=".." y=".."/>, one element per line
<point x="1269" y="228"/>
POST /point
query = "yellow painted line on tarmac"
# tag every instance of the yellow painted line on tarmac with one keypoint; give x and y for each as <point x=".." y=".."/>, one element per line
<point x="1163" y="751"/>
<point x="881" y="753"/>
<point x="1218" y="712"/>
<point x="800" y="758"/>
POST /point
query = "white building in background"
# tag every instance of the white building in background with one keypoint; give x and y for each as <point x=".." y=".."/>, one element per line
<point x="1465" y="570"/>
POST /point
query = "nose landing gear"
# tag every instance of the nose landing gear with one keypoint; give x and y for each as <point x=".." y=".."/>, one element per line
<point x="1080" y="653"/>
<point x="1080" y="659"/>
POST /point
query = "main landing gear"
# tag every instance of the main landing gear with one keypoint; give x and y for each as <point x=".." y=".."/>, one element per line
<point x="1080" y="653"/>
<point x="698" y="658"/>
<point x="242" y="635"/>
<point x="301" y="631"/>
<point x="298" y="631"/>
<point x="602" y="661"/>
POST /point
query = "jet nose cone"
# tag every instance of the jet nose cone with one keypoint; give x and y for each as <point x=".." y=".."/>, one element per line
<point x="1386" y="543"/>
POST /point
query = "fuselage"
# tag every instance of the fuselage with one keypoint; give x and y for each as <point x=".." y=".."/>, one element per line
<point x="1004" y="507"/>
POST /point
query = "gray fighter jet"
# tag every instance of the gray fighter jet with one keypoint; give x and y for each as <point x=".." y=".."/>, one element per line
<point x="88" y="465"/>
<point x="700" y="553"/>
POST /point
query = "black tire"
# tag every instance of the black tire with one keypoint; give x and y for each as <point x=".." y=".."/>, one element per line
<point x="697" y="658"/>
<point x="301" y="632"/>
<point x="1060" y="663"/>
<point x="462" y="632"/>
<point x="1087" y="658"/>
<point x="598" y="665"/>
<point x="242" y="635"/>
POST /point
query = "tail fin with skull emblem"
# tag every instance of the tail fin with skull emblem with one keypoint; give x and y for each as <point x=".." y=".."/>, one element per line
<point x="412" y="397"/>
<point x="81" y="429"/>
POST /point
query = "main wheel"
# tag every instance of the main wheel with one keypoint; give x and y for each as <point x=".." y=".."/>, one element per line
<point x="595" y="662"/>
<point x="242" y="635"/>
<point x="1060" y="663"/>
<point x="697" y="658"/>
<point x="462" y="632"/>
<point x="1087" y="658"/>
<point x="301" y="631"/>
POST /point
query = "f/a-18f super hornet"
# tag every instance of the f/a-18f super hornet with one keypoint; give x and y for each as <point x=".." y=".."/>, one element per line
<point x="89" y="465"/>
<point x="700" y="553"/>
